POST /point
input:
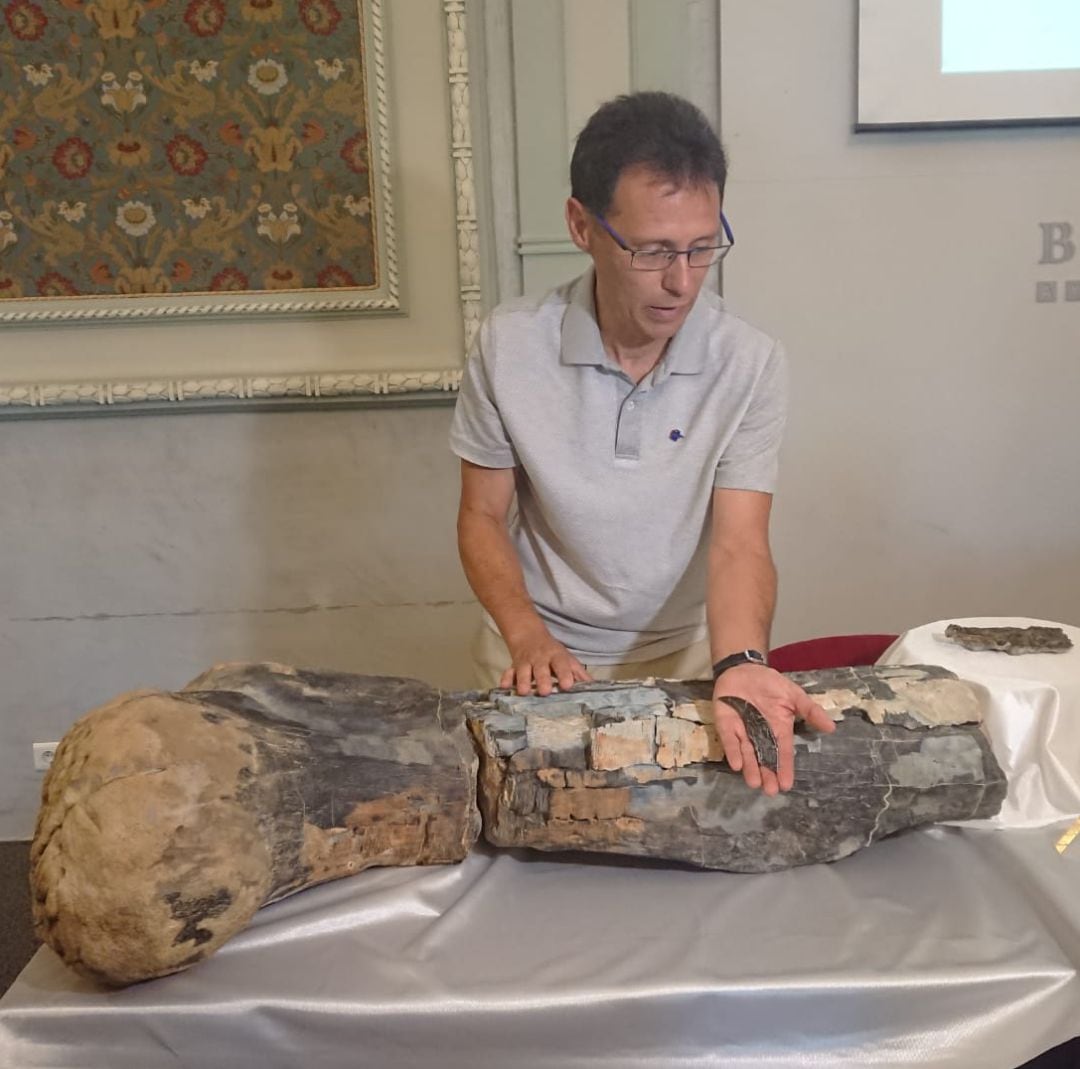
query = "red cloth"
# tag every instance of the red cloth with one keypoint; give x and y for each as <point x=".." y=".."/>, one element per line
<point x="834" y="651"/>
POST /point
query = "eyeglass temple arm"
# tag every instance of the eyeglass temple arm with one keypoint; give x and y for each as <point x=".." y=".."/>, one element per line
<point x="615" y="237"/>
<point x="727" y="228"/>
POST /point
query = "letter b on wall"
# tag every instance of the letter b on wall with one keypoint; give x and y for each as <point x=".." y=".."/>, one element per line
<point x="1057" y="244"/>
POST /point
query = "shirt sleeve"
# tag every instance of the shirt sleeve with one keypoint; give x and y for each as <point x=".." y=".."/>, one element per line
<point x="751" y="459"/>
<point x="477" y="433"/>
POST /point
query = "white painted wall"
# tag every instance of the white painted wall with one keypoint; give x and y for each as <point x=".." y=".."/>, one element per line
<point x="931" y="465"/>
<point x="137" y="551"/>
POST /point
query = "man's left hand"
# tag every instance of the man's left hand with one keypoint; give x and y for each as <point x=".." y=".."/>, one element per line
<point x="780" y="702"/>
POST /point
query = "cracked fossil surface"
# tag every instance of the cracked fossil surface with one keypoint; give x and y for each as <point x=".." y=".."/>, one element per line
<point x="1013" y="640"/>
<point x="168" y="819"/>
<point x="637" y="769"/>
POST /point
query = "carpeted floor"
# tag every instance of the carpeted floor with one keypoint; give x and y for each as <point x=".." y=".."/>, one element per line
<point x="17" y="943"/>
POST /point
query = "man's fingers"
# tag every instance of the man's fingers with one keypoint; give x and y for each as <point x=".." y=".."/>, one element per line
<point x="783" y="733"/>
<point x="730" y="736"/>
<point x="751" y="770"/>
<point x="542" y="674"/>
<point x="569" y="671"/>
<point x="524" y="678"/>
<point x="769" y="783"/>
<point x="785" y="761"/>
<point x="569" y="676"/>
<point x="813" y="714"/>
<point x="506" y="680"/>
<point x="581" y="673"/>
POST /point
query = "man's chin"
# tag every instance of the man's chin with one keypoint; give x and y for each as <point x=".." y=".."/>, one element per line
<point x="663" y="325"/>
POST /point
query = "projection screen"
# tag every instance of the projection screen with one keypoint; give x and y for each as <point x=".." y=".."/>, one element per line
<point x="968" y="62"/>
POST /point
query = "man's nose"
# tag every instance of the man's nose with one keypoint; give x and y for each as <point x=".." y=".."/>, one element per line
<point x="677" y="274"/>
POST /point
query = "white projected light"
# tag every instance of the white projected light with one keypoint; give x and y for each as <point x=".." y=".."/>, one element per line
<point x="1009" y="35"/>
<point x="968" y="62"/>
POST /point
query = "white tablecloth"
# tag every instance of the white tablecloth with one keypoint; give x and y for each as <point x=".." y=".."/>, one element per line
<point x="1032" y="710"/>
<point x="948" y="947"/>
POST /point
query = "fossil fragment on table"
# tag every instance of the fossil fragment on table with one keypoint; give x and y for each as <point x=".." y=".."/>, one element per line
<point x="1014" y="640"/>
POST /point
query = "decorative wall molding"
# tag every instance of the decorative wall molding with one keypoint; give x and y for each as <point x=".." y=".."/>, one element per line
<point x="248" y="388"/>
<point x="550" y="246"/>
<point x="461" y="150"/>
<point x="161" y="392"/>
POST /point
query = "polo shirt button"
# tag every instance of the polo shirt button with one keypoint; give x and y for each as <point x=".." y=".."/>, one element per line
<point x="631" y="404"/>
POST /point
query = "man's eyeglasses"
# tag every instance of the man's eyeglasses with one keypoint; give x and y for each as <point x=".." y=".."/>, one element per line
<point x="662" y="259"/>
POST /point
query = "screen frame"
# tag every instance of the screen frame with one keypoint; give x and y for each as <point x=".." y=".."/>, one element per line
<point x="900" y="85"/>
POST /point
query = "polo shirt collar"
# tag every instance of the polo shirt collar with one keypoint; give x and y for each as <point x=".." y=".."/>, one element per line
<point x="582" y="344"/>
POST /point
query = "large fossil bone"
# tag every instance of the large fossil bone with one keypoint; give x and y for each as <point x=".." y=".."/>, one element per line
<point x="167" y="819"/>
<point x="637" y="769"/>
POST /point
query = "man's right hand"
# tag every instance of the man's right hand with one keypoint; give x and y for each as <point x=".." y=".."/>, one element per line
<point x="541" y="660"/>
<point x="494" y="573"/>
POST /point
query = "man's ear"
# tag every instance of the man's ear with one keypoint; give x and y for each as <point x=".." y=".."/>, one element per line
<point x="577" y="222"/>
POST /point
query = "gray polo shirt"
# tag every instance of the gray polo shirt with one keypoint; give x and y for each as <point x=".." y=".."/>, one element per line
<point x="614" y="481"/>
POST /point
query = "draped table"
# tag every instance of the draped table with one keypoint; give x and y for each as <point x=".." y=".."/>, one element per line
<point x="944" y="947"/>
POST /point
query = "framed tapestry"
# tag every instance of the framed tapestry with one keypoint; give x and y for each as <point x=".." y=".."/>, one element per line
<point x="202" y="161"/>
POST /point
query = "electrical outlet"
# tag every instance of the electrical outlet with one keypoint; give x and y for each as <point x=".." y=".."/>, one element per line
<point x="44" y="752"/>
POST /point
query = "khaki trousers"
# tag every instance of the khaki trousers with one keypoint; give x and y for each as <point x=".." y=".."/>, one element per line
<point x="491" y="658"/>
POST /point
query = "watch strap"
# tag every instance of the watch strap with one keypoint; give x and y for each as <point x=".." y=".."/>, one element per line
<point x="741" y="657"/>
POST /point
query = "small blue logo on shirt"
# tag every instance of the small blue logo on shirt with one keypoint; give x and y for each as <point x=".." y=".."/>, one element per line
<point x="676" y="434"/>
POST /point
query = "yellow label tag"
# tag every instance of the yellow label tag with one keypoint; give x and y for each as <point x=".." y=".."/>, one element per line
<point x="1070" y="833"/>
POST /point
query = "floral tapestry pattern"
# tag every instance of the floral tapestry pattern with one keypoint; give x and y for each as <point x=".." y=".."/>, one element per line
<point x="183" y="146"/>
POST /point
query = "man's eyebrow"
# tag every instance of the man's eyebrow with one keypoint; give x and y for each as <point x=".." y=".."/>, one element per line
<point x="663" y="243"/>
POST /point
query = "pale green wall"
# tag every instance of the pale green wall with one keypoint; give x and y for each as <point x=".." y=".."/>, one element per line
<point x="569" y="57"/>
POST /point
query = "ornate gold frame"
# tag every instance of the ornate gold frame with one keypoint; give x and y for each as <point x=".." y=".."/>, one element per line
<point x="157" y="393"/>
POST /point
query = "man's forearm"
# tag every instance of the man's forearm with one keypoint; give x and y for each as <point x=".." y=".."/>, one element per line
<point x="494" y="572"/>
<point x="741" y="600"/>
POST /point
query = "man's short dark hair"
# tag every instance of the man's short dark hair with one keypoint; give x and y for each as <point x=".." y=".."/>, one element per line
<point x="660" y="131"/>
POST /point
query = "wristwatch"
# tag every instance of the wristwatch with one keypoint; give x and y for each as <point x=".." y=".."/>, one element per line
<point x="742" y="657"/>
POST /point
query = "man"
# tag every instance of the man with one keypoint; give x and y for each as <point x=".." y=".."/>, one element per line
<point x="637" y="424"/>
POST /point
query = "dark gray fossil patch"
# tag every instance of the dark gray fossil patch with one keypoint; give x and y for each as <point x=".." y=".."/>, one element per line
<point x="1014" y="640"/>
<point x="757" y="731"/>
